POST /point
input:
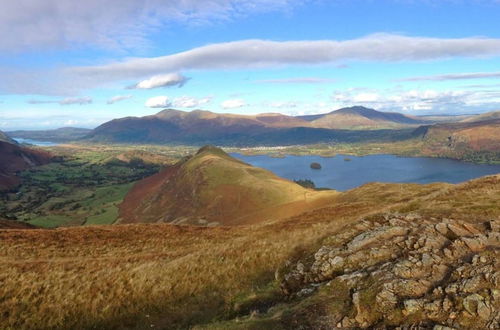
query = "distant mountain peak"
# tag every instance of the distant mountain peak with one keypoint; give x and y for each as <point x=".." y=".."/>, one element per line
<point x="358" y="109"/>
<point x="360" y="117"/>
<point x="169" y="112"/>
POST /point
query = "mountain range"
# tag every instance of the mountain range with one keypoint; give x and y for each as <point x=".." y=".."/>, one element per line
<point x="200" y="127"/>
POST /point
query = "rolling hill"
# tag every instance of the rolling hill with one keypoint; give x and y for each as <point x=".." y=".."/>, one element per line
<point x="358" y="117"/>
<point x="482" y="117"/>
<point x="212" y="188"/>
<point x="63" y="134"/>
<point x="14" y="158"/>
<point x="476" y="140"/>
<point x="202" y="127"/>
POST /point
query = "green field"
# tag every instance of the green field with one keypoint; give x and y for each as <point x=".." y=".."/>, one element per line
<point x="83" y="187"/>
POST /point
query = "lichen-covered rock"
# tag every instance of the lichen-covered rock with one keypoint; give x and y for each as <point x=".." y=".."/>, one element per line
<point x="410" y="271"/>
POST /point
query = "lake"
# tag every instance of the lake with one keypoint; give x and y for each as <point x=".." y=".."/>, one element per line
<point x="338" y="174"/>
<point x="35" y="143"/>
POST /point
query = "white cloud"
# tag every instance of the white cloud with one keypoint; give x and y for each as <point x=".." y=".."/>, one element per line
<point x="248" y="54"/>
<point x="419" y="101"/>
<point x="76" y="100"/>
<point x="233" y="104"/>
<point x="264" y="53"/>
<point x="303" y="80"/>
<point x="66" y="101"/>
<point x="190" y="102"/>
<point x="164" y="80"/>
<point x="158" y="102"/>
<point x="365" y="98"/>
<point x="454" y="76"/>
<point x="115" y="24"/>
<point x="118" y="98"/>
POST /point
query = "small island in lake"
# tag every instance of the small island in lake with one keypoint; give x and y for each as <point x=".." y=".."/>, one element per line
<point x="316" y="166"/>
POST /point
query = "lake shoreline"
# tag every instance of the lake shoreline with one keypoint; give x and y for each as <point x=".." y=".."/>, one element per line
<point x="342" y="175"/>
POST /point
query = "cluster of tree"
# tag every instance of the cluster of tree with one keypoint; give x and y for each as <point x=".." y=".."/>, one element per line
<point x="306" y="183"/>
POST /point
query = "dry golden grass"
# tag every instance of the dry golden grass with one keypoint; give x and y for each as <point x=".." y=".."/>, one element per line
<point x="173" y="277"/>
<point x="83" y="277"/>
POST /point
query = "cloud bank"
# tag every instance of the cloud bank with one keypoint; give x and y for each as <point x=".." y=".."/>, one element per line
<point x="418" y="100"/>
<point x="113" y="24"/>
<point x="247" y="54"/>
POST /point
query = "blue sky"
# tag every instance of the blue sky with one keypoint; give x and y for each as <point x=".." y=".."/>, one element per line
<point x="69" y="63"/>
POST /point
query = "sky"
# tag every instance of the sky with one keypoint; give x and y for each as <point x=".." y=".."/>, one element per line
<point x="82" y="63"/>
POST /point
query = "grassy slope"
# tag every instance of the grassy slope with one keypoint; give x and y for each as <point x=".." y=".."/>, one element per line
<point x="179" y="276"/>
<point x="213" y="187"/>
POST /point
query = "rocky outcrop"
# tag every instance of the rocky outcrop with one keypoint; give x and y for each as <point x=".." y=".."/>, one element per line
<point x="405" y="271"/>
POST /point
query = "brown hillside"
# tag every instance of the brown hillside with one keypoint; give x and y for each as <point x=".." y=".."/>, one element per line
<point x="212" y="188"/>
<point x="166" y="277"/>
<point x="482" y="117"/>
<point x="201" y="119"/>
<point x="364" y="118"/>
<point x="280" y="120"/>
<point x="461" y="138"/>
<point x="14" y="158"/>
<point x="198" y="126"/>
